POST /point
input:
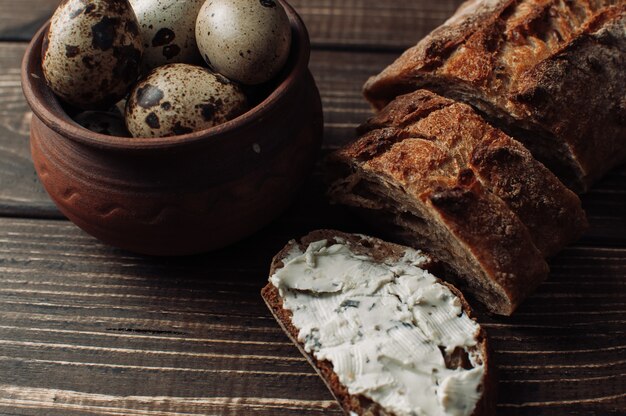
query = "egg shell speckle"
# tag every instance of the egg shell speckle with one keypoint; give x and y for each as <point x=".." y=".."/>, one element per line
<point x="168" y="31"/>
<point x="179" y="98"/>
<point x="92" y="52"/>
<point x="246" y="40"/>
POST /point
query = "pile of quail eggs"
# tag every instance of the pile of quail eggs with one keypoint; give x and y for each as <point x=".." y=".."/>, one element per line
<point x="157" y="68"/>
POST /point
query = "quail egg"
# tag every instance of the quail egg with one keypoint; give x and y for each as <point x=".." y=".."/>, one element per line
<point x="168" y="31"/>
<point x="92" y="52"/>
<point x="245" y="40"/>
<point x="179" y="99"/>
<point x="103" y="122"/>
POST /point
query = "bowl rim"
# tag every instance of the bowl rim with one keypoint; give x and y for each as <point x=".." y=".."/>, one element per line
<point x="299" y="66"/>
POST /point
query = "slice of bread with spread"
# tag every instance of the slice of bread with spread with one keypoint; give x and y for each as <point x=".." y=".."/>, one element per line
<point x="386" y="336"/>
<point x="550" y="73"/>
<point x="432" y="173"/>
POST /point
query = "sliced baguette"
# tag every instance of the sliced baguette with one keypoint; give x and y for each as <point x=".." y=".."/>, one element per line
<point x="432" y="173"/>
<point x="551" y="212"/>
<point x="549" y="73"/>
<point x="377" y="251"/>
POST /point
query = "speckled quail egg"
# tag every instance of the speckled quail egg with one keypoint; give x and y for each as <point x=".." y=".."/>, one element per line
<point x="168" y="31"/>
<point x="180" y="98"/>
<point x="246" y="40"/>
<point x="92" y="52"/>
<point x="103" y="122"/>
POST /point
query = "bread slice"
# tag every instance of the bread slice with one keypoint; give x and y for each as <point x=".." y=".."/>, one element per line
<point x="339" y="321"/>
<point x="434" y="174"/>
<point x="548" y="72"/>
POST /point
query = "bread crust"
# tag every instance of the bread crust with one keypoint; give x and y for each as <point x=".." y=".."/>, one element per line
<point x="550" y="72"/>
<point x="551" y="212"/>
<point x="501" y="211"/>
<point x="378" y="250"/>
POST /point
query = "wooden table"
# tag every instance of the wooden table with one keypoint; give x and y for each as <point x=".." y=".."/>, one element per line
<point x="88" y="329"/>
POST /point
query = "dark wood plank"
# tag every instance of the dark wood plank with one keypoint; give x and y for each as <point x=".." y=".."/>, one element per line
<point x="115" y="333"/>
<point x="362" y="24"/>
<point x="371" y="24"/>
<point x="19" y="20"/>
<point x="88" y="329"/>
<point x="339" y="76"/>
<point x="20" y="190"/>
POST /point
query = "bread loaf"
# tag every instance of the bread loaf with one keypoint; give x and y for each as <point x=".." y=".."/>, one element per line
<point x="384" y="334"/>
<point x="434" y="174"/>
<point x="548" y="72"/>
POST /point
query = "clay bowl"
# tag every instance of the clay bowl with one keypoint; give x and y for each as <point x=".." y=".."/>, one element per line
<point x="184" y="194"/>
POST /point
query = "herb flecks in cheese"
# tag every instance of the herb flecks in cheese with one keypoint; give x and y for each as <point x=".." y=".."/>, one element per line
<point x="384" y="327"/>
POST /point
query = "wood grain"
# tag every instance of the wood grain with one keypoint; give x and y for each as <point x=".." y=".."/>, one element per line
<point x="19" y="20"/>
<point x="86" y="328"/>
<point x="20" y="190"/>
<point x="355" y="24"/>
<point x="364" y="24"/>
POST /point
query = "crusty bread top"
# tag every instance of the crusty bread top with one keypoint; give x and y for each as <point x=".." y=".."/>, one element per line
<point x="502" y="207"/>
<point x="381" y="251"/>
<point x="494" y="44"/>
<point x="552" y="213"/>
<point x="552" y="68"/>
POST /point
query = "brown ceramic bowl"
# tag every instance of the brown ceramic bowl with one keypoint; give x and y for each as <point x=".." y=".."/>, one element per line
<point x="183" y="194"/>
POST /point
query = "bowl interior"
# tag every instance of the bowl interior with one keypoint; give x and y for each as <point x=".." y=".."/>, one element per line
<point x="50" y="110"/>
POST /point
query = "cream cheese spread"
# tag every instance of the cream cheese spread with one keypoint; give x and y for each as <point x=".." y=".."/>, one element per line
<point x="384" y="327"/>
